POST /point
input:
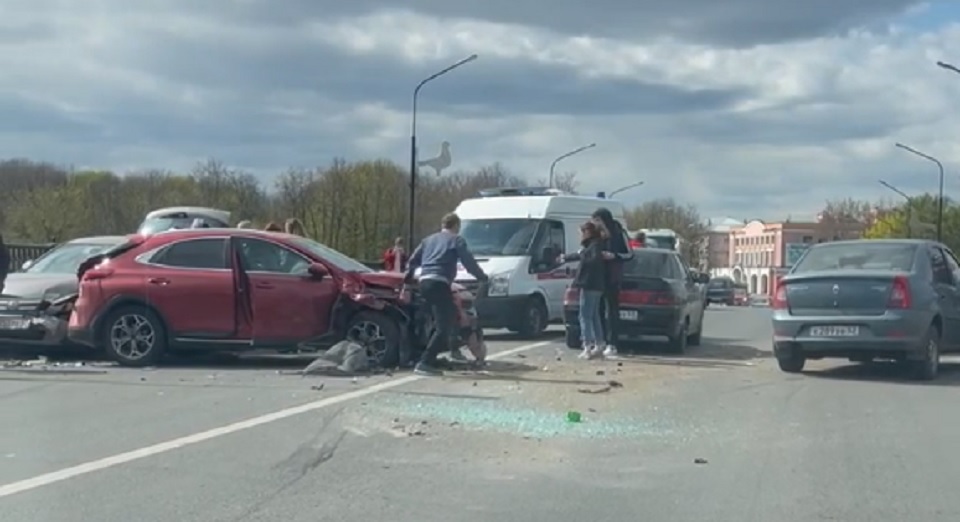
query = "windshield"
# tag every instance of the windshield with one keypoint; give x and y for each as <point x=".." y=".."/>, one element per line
<point x="499" y="237"/>
<point x="864" y="255"/>
<point x="667" y="242"/>
<point x="66" y="258"/>
<point x="720" y="283"/>
<point x="152" y="226"/>
<point x="652" y="264"/>
<point x="337" y="259"/>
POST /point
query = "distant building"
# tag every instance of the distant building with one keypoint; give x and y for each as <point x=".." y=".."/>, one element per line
<point x="715" y="248"/>
<point x="757" y="252"/>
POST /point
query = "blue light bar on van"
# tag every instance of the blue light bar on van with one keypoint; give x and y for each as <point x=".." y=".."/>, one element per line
<point x="500" y="192"/>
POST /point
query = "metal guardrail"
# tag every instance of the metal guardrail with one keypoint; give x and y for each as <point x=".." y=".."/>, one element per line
<point x="22" y="252"/>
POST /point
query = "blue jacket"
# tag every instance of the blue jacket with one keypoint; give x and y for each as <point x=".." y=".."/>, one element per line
<point x="437" y="257"/>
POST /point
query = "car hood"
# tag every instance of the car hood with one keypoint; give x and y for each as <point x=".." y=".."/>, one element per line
<point x="392" y="280"/>
<point x="37" y="286"/>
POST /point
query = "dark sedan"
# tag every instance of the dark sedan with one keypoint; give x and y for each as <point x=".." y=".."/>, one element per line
<point x="869" y="299"/>
<point x="721" y="290"/>
<point x="658" y="297"/>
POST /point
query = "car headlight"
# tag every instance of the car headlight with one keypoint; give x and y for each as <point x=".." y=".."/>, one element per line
<point x="498" y="286"/>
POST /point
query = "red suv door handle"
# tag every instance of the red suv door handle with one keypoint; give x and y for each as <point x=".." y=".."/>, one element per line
<point x="162" y="281"/>
<point x="263" y="285"/>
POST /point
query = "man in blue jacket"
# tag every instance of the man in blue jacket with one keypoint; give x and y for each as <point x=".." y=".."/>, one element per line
<point x="437" y="258"/>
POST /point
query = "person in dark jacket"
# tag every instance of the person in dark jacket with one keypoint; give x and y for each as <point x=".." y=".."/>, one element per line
<point x="437" y="257"/>
<point x="591" y="279"/>
<point x="616" y="252"/>
<point x="4" y="263"/>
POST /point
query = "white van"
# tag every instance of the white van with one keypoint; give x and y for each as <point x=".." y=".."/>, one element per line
<point x="517" y="234"/>
<point x="183" y="217"/>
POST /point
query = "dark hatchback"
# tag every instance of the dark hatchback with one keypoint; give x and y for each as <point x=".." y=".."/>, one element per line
<point x="722" y="290"/>
<point x="658" y="297"/>
<point x="869" y="299"/>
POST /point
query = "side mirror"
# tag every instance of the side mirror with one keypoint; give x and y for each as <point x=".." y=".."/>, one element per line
<point x="702" y="278"/>
<point x="318" y="271"/>
<point x="26" y="265"/>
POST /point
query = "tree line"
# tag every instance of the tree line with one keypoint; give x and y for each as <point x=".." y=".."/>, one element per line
<point x="356" y="207"/>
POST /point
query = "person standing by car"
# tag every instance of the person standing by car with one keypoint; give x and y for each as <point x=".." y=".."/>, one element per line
<point x="395" y="258"/>
<point x="4" y="263"/>
<point x="294" y="227"/>
<point x="591" y="279"/>
<point x="437" y="257"/>
<point x="615" y="253"/>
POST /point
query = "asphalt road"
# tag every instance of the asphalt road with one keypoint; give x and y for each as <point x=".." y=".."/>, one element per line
<point x="718" y="434"/>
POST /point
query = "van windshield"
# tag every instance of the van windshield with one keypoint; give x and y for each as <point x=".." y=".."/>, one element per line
<point x="499" y="237"/>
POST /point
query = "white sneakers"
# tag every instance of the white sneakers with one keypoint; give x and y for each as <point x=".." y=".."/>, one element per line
<point x="598" y="352"/>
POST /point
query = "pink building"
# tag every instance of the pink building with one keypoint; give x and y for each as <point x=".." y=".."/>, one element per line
<point x="757" y="252"/>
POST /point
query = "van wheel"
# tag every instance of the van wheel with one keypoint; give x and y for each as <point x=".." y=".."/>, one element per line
<point x="379" y="334"/>
<point x="534" y="320"/>
<point x="133" y="336"/>
<point x="572" y="338"/>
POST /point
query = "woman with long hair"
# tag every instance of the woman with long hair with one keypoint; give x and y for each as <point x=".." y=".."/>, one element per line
<point x="616" y="251"/>
<point x="591" y="280"/>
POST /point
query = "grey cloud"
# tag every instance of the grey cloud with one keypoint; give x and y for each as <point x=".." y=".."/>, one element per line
<point x="491" y="87"/>
<point x="731" y="22"/>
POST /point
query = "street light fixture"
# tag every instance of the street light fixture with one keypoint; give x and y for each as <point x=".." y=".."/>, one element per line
<point x="565" y="156"/>
<point x="904" y="196"/>
<point x="621" y="189"/>
<point x="939" y="194"/>
<point x="413" y="141"/>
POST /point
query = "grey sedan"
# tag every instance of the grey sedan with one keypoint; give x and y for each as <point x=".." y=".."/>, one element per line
<point x="24" y="317"/>
<point x="869" y="299"/>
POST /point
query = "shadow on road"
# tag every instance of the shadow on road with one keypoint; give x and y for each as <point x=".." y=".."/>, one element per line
<point x="505" y="335"/>
<point x="887" y="371"/>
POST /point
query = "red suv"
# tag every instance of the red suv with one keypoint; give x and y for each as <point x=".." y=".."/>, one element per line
<point x="234" y="289"/>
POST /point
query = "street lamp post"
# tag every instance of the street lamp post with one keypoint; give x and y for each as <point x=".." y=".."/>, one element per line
<point x="565" y="156"/>
<point x="413" y="143"/>
<point x="621" y="189"/>
<point x="904" y="196"/>
<point x="939" y="194"/>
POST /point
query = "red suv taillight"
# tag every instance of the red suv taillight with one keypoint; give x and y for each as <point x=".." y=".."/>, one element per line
<point x="780" y="298"/>
<point x="571" y="297"/>
<point x="899" y="294"/>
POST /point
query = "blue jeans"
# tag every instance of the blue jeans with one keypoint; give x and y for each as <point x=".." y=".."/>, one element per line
<point x="591" y="324"/>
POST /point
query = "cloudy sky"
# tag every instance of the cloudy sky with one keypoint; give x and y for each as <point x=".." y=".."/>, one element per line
<point x="749" y="108"/>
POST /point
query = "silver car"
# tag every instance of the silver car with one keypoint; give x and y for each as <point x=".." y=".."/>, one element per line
<point x="25" y="317"/>
<point x="869" y="299"/>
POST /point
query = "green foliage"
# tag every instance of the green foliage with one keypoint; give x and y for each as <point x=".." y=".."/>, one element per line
<point x="358" y="208"/>
<point x="919" y="219"/>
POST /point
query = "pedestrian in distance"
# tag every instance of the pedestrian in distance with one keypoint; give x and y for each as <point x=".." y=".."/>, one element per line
<point x="395" y="258"/>
<point x="437" y="257"/>
<point x="4" y="263"/>
<point x="616" y="252"/>
<point x="294" y="227"/>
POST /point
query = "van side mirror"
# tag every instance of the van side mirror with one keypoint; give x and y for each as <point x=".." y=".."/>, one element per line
<point x="318" y="271"/>
<point x="26" y="265"/>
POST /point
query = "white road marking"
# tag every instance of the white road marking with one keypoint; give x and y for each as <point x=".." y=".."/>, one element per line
<point x="123" y="458"/>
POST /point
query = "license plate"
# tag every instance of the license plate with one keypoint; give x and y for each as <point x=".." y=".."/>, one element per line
<point x="14" y="323"/>
<point x="629" y="315"/>
<point x="835" y="331"/>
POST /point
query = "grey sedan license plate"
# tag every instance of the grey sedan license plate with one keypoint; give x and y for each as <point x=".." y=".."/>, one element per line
<point x="14" y="323"/>
<point x="835" y="331"/>
<point x="629" y="315"/>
